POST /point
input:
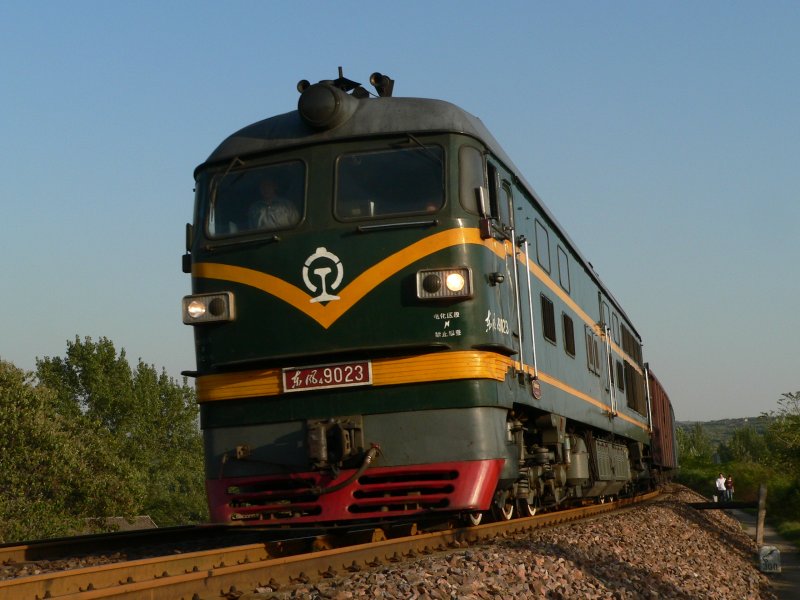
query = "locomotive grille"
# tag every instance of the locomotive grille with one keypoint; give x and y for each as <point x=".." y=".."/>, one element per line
<point x="399" y="492"/>
<point x="274" y="499"/>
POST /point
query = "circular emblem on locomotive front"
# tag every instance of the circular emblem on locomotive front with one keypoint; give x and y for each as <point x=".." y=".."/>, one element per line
<point x="328" y="262"/>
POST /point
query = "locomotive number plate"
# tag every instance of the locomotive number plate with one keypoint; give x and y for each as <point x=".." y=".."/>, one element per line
<point x="319" y="377"/>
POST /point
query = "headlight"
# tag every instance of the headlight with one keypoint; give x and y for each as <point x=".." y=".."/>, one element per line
<point x="208" y="308"/>
<point x="455" y="282"/>
<point x="444" y="283"/>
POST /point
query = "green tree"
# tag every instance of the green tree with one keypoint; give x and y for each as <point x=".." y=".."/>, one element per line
<point x="746" y="445"/>
<point x="153" y="419"/>
<point x="92" y="380"/>
<point x="785" y="430"/>
<point x="694" y="445"/>
<point x="55" y="469"/>
<point x="168" y="447"/>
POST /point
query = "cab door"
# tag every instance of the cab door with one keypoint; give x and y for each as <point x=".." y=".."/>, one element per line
<point x="607" y="357"/>
<point x="501" y="203"/>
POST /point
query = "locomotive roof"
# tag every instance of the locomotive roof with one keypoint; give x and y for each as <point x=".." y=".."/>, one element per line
<point x="375" y="116"/>
<point x="382" y="116"/>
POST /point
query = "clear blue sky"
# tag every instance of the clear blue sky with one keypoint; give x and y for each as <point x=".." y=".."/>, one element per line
<point x="664" y="136"/>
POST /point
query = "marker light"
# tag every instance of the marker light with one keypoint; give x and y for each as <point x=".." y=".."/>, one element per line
<point x="208" y="308"/>
<point x="433" y="284"/>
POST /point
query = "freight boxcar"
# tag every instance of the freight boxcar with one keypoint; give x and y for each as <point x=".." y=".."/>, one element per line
<point x="663" y="444"/>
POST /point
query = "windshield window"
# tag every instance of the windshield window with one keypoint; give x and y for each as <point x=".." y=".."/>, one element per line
<point x="268" y="198"/>
<point x="390" y="183"/>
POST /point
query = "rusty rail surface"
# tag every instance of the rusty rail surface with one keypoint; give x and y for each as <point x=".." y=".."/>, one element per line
<point x="68" y="546"/>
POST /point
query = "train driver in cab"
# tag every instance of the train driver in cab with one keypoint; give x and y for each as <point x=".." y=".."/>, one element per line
<point x="272" y="211"/>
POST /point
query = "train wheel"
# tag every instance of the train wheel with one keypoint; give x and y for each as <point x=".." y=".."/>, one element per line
<point x="527" y="510"/>
<point x="503" y="509"/>
<point x="474" y="518"/>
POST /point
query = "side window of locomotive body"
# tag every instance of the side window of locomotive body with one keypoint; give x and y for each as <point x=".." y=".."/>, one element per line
<point x="563" y="269"/>
<point x="390" y="183"/>
<point x="260" y="199"/>
<point x="542" y="246"/>
<point x="548" y="319"/>
<point x="470" y="166"/>
<point x="568" y="328"/>
<point x="592" y="351"/>
<point x="604" y="314"/>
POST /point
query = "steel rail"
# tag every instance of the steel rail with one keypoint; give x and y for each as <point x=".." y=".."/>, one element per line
<point x="100" y="578"/>
<point x="214" y="574"/>
<point x="34" y="550"/>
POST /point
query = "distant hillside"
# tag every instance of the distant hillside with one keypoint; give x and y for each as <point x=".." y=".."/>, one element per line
<point x="719" y="432"/>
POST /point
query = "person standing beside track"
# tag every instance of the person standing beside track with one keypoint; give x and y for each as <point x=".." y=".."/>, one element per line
<point x="720" y="488"/>
<point x="729" y="489"/>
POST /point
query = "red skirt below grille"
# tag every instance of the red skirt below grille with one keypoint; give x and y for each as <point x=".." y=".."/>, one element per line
<point x="377" y="493"/>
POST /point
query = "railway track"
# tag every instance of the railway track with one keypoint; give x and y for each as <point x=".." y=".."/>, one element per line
<point x="226" y="572"/>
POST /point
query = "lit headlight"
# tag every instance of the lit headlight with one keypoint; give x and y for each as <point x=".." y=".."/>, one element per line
<point x="455" y="282"/>
<point x="444" y="283"/>
<point x="208" y="308"/>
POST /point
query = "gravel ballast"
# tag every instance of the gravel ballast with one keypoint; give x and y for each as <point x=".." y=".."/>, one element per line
<point x="664" y="550"/>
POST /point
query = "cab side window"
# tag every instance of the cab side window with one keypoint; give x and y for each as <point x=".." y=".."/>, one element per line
<point x="494" y="191"/>
<point x="470" y="165"/>
<point x="500" y="200"/>
<point x="506" y="205"/>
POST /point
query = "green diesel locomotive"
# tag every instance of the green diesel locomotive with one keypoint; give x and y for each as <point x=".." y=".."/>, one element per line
<point x="389" y="322"/>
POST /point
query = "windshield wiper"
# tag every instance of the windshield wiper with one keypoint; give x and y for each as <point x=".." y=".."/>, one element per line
<point x="378" y="226"/>
<point x="216" y="179"/>
<point x="426" y="149"/>
<point x="225" y="243"/>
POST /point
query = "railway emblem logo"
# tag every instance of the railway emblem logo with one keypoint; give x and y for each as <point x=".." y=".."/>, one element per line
<point x="328" y="262"/>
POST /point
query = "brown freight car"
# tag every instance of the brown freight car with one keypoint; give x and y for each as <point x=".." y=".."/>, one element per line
<point x="664" y="445"/>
